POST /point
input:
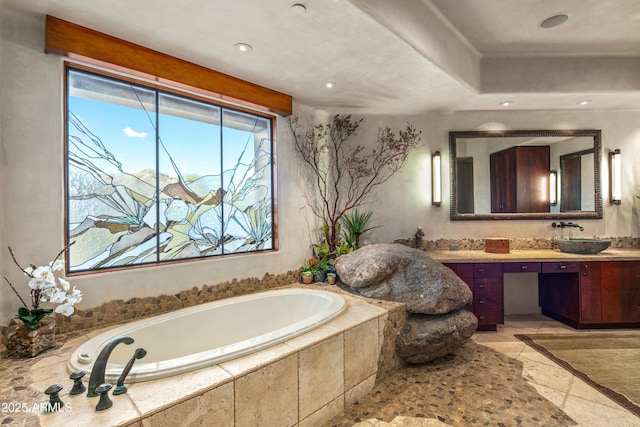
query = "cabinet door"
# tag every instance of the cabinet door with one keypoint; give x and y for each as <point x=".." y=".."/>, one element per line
<point x="620" y="291"/>
<point x="503" y="182"/>
<point x="532" y="178"/>
<point x="590" y="306"/>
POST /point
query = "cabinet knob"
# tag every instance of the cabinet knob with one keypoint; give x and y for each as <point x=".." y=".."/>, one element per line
<point x="481" y="302"/>
<point x="480" y="285"/>
<point x="481" y="270"/>
<point x="480" y="317"/>
<point x="563" y="267"/>
<point x="523" y="267"/>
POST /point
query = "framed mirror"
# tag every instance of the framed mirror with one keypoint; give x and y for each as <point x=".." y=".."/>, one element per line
<point x="525" y="174"/>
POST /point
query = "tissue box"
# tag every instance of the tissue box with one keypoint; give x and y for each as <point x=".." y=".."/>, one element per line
<point x="496" y="245"/>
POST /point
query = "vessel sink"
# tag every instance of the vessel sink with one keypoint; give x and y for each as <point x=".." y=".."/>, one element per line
<point x="583" y="246"/>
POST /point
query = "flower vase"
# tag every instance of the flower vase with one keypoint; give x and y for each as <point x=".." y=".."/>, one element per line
<point x="25" y="342"/>
<point x="307" y="279"/>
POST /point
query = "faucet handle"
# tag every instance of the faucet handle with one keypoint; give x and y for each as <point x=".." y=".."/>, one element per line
<point x="55" y="404"/>
<point x="78" y="387"/>
<point x="104" y="402"/>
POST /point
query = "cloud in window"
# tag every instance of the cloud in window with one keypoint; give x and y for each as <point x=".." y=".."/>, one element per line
<point x="133" y="134"/>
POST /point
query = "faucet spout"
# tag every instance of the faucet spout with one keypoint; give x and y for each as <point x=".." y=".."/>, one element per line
<point x="100" y="365"/>
<point x="563" y="224"/>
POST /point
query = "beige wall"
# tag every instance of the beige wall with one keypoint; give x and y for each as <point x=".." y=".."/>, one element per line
<point x="31" y="187"/>
<point x="404" y="202"/>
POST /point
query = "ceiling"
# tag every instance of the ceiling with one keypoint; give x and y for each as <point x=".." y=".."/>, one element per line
<point x="392" y="57"/>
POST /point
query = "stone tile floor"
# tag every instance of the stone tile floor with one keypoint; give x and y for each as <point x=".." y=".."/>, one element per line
<point x="480" y="387"/>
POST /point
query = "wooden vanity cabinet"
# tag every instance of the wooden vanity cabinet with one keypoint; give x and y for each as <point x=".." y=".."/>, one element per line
<point x="485" y="282"/>
<point x="591" y="294"/>
<point x="602" y="294"/>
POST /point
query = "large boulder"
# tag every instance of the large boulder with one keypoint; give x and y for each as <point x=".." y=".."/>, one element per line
<point x="425" y="338"/>
<point x="434" y="295"/>
<point x="399" y="273"/>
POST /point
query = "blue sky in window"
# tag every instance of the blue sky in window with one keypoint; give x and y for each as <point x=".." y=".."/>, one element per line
<point x="129" y="135"/>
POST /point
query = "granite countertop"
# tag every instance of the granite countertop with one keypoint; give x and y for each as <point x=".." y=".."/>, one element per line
<point x="534" y="255"/>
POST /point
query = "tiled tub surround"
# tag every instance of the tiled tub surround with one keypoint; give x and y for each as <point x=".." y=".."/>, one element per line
<point x="302" y="382"/>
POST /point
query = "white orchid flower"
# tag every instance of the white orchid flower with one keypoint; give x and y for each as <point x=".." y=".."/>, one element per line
<point x="64" y="283"/>
<point x="58" y="297"/>
<point x="46" y="287"/>
<point x="58" y="265"/>
<point x="65" y="309"/>
<point x="74" y="297"/>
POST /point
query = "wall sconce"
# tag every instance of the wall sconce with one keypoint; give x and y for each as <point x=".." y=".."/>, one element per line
<point x="436" y="183"/>
<point x="553" y="188"/>
<point x="615" y="177"/>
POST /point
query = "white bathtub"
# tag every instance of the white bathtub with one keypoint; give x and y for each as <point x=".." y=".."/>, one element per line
<point x="211" y="333"/>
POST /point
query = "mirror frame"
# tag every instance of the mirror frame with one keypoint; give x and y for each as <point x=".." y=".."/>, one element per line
<point x="597" y="147"/>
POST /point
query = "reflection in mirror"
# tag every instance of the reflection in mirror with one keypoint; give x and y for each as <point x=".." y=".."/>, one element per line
<point x="507" y="174"/>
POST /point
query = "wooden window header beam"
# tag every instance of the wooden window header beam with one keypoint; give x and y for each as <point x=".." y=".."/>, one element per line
<point x="74" y="41"/>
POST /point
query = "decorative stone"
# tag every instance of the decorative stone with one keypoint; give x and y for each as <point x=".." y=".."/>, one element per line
<point x="425" y="338"/>
<point x="398" y="273"/>
<point x="25" y="342"/>
<point x="434" y="296"/>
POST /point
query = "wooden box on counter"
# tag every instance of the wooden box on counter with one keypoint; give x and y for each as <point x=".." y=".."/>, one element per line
<point x="496" y="245"/>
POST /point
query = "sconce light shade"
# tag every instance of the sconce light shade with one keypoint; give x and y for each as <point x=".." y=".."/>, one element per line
<point x="615" y="177"/>
<point x="436" y="183"/>
<point x="553" y="188"/>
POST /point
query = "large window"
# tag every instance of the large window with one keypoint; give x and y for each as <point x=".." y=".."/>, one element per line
<point x="155" y="176"/>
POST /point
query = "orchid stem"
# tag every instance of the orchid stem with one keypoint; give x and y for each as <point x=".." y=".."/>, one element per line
<point x="16" y="292"/>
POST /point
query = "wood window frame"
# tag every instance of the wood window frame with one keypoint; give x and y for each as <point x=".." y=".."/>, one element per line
<point x="74" y="41"/>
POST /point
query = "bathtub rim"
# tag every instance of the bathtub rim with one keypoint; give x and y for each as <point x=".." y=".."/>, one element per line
<point x="149" y="371"/>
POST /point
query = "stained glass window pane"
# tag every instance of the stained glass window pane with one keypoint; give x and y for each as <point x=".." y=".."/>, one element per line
<point x="111" y="170"/>
<point x="247" y="181"/>
<point x="153" y="176"/>
<point x="191" y="183"/>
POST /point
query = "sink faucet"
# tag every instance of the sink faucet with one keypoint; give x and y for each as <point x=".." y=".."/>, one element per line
<point x="100" y="365"/>
<point x="563" y="224"/>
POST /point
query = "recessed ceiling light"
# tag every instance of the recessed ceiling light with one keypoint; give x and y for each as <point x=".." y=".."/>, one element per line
<point x="584" y="102"/>
<point x="243" y="47"/>
<point x="555" y="20"/>
<point x="506" y="103"/>
<point x="298" y="9"/>
<point x="329" y="85"/>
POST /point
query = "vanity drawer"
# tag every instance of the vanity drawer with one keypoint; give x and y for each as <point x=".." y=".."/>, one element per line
<point x="560" y="267"/>
<point x="522" y="267"/>
<point x="487" y="270"/>
<point x="488" y="288"/>
<point x="489" y="317"/>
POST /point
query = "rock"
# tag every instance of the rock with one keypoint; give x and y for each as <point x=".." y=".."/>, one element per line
<point x="434" y="296"/>
<point x="425" y="338"/>
<point x="398" y="273"/>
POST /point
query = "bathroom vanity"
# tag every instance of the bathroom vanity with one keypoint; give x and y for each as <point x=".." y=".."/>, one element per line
<point x="583" y="291"/>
